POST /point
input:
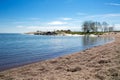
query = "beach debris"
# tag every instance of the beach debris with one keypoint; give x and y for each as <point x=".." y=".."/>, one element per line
<point x="104" y="61"/>
<point x="75" y="69"/>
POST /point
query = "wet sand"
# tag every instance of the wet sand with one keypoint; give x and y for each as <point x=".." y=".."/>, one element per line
<point x="97" y="63"/>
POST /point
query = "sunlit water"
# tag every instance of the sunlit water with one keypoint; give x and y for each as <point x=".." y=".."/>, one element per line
<point x="20" y="49"/>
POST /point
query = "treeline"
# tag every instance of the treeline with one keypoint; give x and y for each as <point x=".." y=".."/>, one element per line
<point x="91" y="26"/>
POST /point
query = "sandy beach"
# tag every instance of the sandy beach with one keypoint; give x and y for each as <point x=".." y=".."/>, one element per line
<point x="97" y="63"/>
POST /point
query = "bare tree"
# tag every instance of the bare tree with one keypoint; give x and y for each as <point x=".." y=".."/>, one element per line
<point x="91" y="26"/>
<point x="111" y="28"/>
<point x="105" y="26"/>
<point x="100" y="26"/>
<point x="86" y="26"/>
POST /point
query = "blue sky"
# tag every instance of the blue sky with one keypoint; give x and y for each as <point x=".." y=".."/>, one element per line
<point x="31" y="15"/>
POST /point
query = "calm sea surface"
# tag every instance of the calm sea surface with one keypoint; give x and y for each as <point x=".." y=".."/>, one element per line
<point x="20" y="49"/>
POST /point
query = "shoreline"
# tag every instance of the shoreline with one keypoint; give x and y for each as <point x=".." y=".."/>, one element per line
<point x="74" y="35"/>
<point x="91" y="64"/>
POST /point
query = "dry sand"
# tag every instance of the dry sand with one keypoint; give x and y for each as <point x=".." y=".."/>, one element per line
<point x="98" y="63"/>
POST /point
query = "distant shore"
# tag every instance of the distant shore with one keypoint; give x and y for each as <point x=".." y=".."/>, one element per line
<point x="62" y="34"/>
<point x="97" y="63"/>
<point x="65" y="33"/>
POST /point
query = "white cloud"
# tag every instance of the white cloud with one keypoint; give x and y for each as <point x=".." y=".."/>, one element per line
<point x="66" y="19"/>
<point x="20" y="26"/>
<point x="49" y="28"/>
<point x="112" y="15"/>
<point x="117" y="26"/>
<point x="113" y="4"/>
<point x="105" y="15"/>
<point x="57" y="23"/>
<point x="27" y="27"/>
<point x="33" y="27"/>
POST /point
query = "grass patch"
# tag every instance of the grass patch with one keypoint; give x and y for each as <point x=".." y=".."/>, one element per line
<point x="84" y="33"/>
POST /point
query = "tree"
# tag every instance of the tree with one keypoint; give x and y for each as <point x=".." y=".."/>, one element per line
<point x="111" y="28"/>
<point x="86" y="26"/>
<point x="95" y="26"/>
<point x="91" y="26"/>
<point x="38" y="31"/>
<point x="99" y="25"/>
<point x="105" y="26"/>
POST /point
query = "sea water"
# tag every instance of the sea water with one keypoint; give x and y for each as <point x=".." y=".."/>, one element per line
<point x="20" y="49"/>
